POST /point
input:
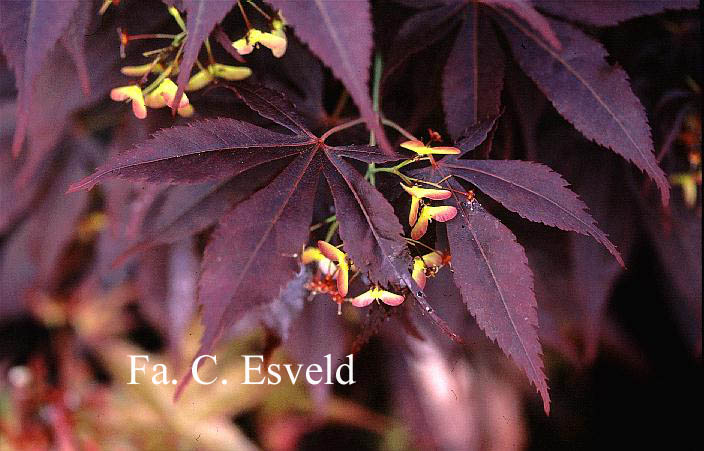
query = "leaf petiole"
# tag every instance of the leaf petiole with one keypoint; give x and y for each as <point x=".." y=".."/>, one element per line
<point x="331" y="231"/>
<point x="418" y="243"/>
<point x="244" y="15"/>
<point x="339" y="128"/>
<point x="259" y="10"/>
<point x="327" y="220"/>
<point x="406" y="134"/>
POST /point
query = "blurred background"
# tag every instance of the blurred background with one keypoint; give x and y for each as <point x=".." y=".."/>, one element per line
<point x="622" y="347"/>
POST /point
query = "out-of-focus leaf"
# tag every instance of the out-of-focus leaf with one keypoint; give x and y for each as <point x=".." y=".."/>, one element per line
<point x="184" y="210"/>
<point x="317" y="332"/>
<point x="73" y="39"/>
<point x="57" y="89"/>
<point x="524" y="9"/>
<point x="678" y="241"/>
<point x="28" y="32"/>
<point x="14" y="200"/>
<point x="167" y="280"/>
<point x="149" y="410"/>
<point x="29" y="256"/>
<point x="611" y="12"/>
<point x="473" y="75"/>
<point x="408" y="41"/>
<point x="299" y="74"/>
<point x="282" y="312"/>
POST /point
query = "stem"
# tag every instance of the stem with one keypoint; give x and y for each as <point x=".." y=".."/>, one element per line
<point x="331" y="231"/>
<point x="149" y="53"/>
<point x="177" y="17"/>
<point x="149" y="71"/>
<point x="327" y="220"/>
<point x="341" y="102"/>
<point x="259" y="10"/>
<point x="436" y="185"/>
<point x="372" y="170"/>
<point x="405" y="178"/>
<point x="341" y="127"/>
<point x="134" y="37"/>
<point x="164" y="74"/>
<point x="418" y="243"/>
<point x="378" y="66"/>
<point x="371" y="173"/>
<point x="211" y="59"/>
<point x="407" y="162"/>
<point x="244" y="15"/>
<point x="200" y="65"/>
<point x="104" y="7"/>
<point x="398" y="128"/>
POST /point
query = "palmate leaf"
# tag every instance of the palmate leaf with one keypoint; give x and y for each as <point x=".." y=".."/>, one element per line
<point x="490" y="267"/>
<point x="340" y="33"/>
<point x="611" y="12"/>
<point x="568" y="67"/>
<point x="259" y="235"/>
<point x="594" y="96"/>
